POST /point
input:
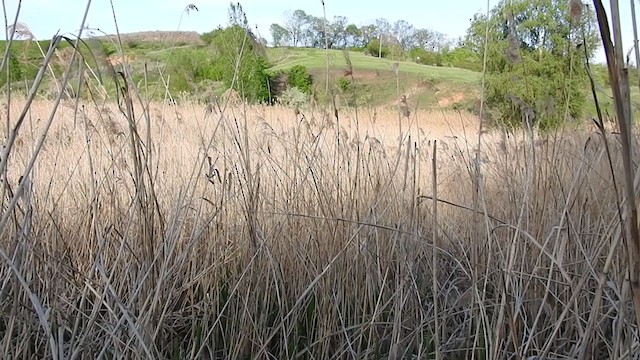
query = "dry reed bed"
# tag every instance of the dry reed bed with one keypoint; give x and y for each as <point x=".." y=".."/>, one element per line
<point x="310" y="238"/>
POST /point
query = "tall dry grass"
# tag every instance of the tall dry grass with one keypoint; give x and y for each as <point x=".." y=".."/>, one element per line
<point x="142" y="230"/>
<point x="278" y="236"/>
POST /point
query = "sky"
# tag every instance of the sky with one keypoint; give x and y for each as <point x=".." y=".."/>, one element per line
<point x="451" y="17"/>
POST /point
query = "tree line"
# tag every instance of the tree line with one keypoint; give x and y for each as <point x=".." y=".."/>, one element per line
<point x="302" y="29"/>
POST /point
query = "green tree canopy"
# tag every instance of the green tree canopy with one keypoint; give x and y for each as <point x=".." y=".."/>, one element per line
<point x="534" y="61"/>
<point x="240" y="58"/>
<point x="280" y="35"/>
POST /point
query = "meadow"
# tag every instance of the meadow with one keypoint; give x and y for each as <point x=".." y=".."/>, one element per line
<point x="251" y="232"/>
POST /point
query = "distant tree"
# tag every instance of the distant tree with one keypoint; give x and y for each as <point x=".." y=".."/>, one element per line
<point x="296" y="22"/>
<point x="440" y="41"/>
<point x="280" y="35"/>
<point x="316" y="33"/>
<point x="422" y="38"/>
<point x="403" y="31"/>
<point x="338" y="31"/>
<point x="430" y="40"/>
<point x="353" y="36"/>
<point x="384" y="30"/>
<point x="534" y="70"/>
<point x="368" y="33"/>
<point x="240" y="58"/>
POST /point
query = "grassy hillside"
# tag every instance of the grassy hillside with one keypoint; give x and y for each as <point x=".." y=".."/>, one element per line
<point x="174" y="55"/>
<point x="375" y="81"/>
<point x="316" y="59"/>
<point x="167" y="62"/>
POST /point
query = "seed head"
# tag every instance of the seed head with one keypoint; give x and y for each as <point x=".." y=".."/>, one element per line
<point x="575" y="10"/>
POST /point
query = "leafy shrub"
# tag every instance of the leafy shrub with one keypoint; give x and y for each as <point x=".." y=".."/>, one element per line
<point x="424" y="57"/>
<point x="252" y="81"/>
<point x="209" y="36"/>
<point x="294" y="97"/>
<point x="373" y="48"/>
<point x="108" y="48"/>
<point x="15" y="71"/>
<point x="344" y="84"/>
<point x="132" y="44"/>
<point x="300" y="78"/>
<point x="463" y="58"/>
<point x="528" y="79"/>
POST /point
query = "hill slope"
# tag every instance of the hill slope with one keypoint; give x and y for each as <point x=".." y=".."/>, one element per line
<point x="375" y="81"/>
<point x="372" y="81"/>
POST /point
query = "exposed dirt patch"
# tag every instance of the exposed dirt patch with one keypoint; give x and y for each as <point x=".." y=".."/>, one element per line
<point x="410" y="93"/>
<point x="359" y="75"/>
<point x="117" y="59"/>
<point x="451" y="99"/>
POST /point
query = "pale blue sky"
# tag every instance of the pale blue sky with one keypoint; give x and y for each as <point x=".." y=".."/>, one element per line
<point x="451" y="17"/>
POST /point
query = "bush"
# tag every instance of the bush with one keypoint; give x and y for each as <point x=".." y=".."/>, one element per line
<point x="189" y="67"/>
<point x="133" y="44"/>
<point x="462" y="58"/>
<point x="373" y="48"/>
<point x="424" y="57"/>
<point x="527" y="79"/>
<point x="344" y="84"/>
<point x="15" y="71"/>
<point x="208" y="36"/>
<point x="108" y="48"/>
<point x="294" y="97"/>
<point x="252" y="81"/>
<point x="300" y="78"/>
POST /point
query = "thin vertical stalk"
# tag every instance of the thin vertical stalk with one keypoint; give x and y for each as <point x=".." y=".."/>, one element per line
<point x="635" y="39"/>
<point x="475" y="257"/>
<point x="620" y="90"/>
<point x="434" y="262"/>
<point x="326" y="48"/>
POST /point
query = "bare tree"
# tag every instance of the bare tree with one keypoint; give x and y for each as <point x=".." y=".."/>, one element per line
<point x="296" y="22"/>
<point x="429" y="40"/>
<point x="368" y="33"/>
<point x="338" y="30"/>
<point x="423" y="38"/>
<point x="384" y="29"/>
<point x="403" y="31"/>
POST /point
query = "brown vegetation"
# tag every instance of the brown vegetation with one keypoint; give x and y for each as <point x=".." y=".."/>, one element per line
<point x="270" y="236"/>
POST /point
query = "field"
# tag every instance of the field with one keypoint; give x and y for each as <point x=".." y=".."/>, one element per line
<point x="185" y="232"/>
<point x="316" y="59"/>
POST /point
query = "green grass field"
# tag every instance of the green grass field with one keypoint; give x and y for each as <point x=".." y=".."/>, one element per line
<point x="375" y="81"/>
<point x="316" y="59"/>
